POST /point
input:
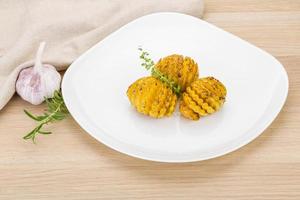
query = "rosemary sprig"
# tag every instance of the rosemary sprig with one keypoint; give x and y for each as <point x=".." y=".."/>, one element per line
<point x="56" y="111"/>
<point x="149" y="64"/>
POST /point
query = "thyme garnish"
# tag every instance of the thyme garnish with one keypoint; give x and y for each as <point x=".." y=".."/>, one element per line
<point x="56" y="111"/>
<point x="149" y="64"/>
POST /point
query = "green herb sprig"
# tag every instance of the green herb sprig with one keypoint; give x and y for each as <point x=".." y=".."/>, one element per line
<point x="149" y="64"/>
<point x="56" y="111"/>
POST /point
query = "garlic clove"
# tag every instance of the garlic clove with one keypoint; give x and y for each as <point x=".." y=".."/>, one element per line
<point x="38" y="82"/>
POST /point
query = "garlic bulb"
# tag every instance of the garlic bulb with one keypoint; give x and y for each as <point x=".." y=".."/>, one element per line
<point x="38" y="82"/>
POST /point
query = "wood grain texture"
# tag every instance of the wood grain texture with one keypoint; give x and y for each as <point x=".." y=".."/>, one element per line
<point x="72" y="165"/>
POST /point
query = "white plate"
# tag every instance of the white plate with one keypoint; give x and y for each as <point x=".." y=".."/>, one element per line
<point x="94" y="88"/>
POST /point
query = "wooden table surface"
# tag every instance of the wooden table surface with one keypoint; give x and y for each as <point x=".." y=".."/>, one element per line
<point x="70" y="164"/>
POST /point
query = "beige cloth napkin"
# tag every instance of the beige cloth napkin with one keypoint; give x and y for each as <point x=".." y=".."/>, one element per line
<point x="69" y="27"/>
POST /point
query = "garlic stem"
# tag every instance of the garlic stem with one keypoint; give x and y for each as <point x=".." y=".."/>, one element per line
<point x="38" y="58"/>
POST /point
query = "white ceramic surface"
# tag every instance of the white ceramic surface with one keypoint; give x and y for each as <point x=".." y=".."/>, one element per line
<point x="94" y="88"/>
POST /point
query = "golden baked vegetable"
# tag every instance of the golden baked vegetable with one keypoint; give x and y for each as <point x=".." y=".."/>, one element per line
<point x="204" y="96"/>
<point x="182" y="70"/>
<point x="187" y="112"/>
<point x="152" y="97"/>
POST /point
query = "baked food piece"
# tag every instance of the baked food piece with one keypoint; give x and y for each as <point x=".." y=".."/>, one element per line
<point x="182" y="70"/>
<point x="204" y="96"/>
<point x="152" y="97"/>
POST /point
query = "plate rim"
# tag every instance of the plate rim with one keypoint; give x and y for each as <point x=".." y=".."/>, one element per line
<point x="263" y="125"/>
